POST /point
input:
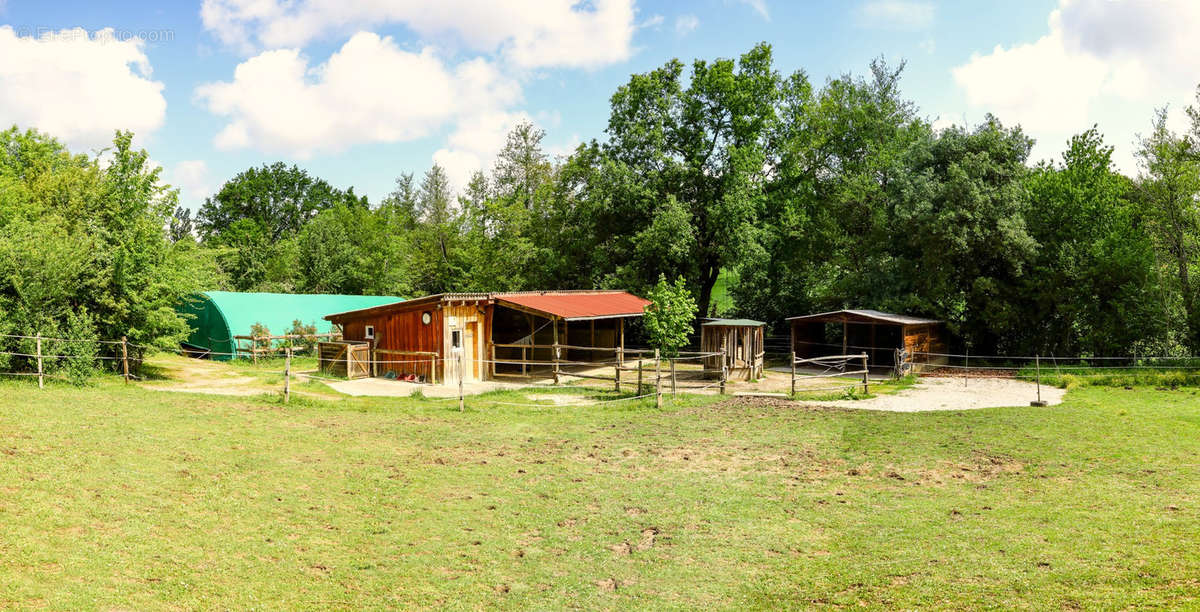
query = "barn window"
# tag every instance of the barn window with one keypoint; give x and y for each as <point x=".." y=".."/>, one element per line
<point x="370" y="333"/>
<point x="426" y="317"/>
<point x="456" y="339"/>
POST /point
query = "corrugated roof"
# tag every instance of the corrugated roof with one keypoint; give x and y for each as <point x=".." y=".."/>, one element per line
<point x="886" y="317"/>
<point x="578" y="305"/>
<point x="732" y="323"/>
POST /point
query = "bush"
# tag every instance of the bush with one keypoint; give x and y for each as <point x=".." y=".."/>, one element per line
<point x="81" y="349"/>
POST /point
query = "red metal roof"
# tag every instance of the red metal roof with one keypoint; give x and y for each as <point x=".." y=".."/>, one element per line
<point x="579" y="304"/>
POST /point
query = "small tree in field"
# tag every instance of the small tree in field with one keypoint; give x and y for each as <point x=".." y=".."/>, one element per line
<point x="669" y="317"/>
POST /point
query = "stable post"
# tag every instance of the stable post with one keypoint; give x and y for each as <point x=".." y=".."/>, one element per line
<point x="125" y="358"/>
<point x="673" y="394"/>
<point x="287" y="374"/>
<point x="617" y="372"/>
<point x="41" y="377"/>
<point x="657" y="380"/>
<point x="461" y="407"/>
<point x="896" y="364"/>
<point x="866" y="373"/>
<point x="724" y="371"/>
<point x="793" y="372"/>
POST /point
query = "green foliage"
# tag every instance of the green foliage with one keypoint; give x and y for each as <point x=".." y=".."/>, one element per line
<point x="669" y="317"/>
<point x="81" y="240"/>
<point x="81" y="350"/>
<point x="308" y="332"/>
<point x="261" y="335"/>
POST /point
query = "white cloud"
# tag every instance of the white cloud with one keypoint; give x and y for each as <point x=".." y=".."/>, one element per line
<point x="654" y="21"/>
<point x="759" y="6"/>
<point x="895" y="14"/>
<point x="546" y="33"/>
<point x="369" y="91"/>
<point x="194" y="180"/>
<point x="78" y="86"/>
<point x="1100" y="62"/>
<point x="685" y="24"/>
<point x="473" y="145"/>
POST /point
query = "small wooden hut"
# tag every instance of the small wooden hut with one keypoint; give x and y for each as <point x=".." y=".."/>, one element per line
<point x="881" y="335"/>
<point x="742" y="341"/>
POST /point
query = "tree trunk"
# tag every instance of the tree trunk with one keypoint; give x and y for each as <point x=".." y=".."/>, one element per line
<point x="708" y="278"/>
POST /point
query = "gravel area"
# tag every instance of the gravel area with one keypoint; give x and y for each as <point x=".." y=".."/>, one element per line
<point x="952" y="394"/>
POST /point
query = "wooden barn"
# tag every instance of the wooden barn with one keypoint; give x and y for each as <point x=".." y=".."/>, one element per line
<point x="491" y="334"/>
<point x="742" y="341"/>
<point x="880" y="334"/>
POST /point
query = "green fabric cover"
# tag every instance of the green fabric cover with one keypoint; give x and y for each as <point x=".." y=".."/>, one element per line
<point x="218" y="316"/>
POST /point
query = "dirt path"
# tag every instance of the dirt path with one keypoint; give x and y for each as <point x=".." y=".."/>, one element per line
<point x="202" y="376"/>
<point x="931" y="394"/>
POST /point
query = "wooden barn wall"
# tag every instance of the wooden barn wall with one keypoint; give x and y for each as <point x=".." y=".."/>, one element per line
<point x="925" y="339"/>
<point x="402" y="330"/>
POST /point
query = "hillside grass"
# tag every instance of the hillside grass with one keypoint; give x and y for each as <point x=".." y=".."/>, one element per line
<point x="119" y="497"/>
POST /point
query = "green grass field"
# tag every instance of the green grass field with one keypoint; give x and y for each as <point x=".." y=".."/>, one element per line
<point x="123" y="498"/>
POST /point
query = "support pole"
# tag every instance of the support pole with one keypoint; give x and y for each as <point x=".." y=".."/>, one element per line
<point x="125" y="358"/>
<point x="41" y="376"/>
<point x="724" y="371"/>
<point x="555" y="326"/>
<point x="673" y="394"/>
<point x="657" y="380"/>
<point x="460" y="383"/>
<point x="617" y="370"/>
<point x="639" y="386"/>
<point x="896" y="364"/>
<point x="866" y="373"/>
<point x="287" y="374"/>
<point x="1037" y="366"/>
<point x="966" y="364"/>
<point x="793" y="372"/>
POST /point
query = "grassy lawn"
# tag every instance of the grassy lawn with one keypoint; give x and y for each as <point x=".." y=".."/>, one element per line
<point x="122" y="497"/>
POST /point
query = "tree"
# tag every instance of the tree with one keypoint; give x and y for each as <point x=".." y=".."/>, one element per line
<point x="1169" y="184"/>
<point x="669" y="316"/>
<point x="277" y="198"/>
<point x="1093" y="286"/>
<point x="182" y="226"/>
<point x="255" y="217"/>
<point x="696" y="153"/>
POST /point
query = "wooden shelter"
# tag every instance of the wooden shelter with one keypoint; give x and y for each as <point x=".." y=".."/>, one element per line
<point x="742" y="341"/>
<point x="882" y="336"/>
<point x="492" y="334"/>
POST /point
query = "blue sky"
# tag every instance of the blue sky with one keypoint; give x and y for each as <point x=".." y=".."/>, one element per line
<point x="358" y="92"/>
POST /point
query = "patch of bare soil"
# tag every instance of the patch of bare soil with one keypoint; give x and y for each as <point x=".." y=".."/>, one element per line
<point x="200" y="376"/>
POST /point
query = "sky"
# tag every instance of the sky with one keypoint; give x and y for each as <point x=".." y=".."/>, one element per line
<point x="359" y="91"/>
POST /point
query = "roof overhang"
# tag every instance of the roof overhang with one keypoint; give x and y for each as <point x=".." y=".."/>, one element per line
<point x="863" y="316"/>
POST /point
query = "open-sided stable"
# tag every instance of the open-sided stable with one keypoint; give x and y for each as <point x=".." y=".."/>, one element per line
<point x="881" y="335"/>
<point x="481" y="336"/>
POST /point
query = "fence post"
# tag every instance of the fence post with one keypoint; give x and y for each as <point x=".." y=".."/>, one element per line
<point x="287" y="374"/>
<point x="724" y="371"/>
<point x="896" y="364"/>
<point x="639" y="386"/>
<point x="793" y="360"/>
<point x="41" y="378"/>
<point x="673" y="394"/>
<point x="125" y="358"/>
<point x="866" y="373"/>
<point x="617" y="372"/>
<point x="657" y="380"/>
<point x="460" y="381"/>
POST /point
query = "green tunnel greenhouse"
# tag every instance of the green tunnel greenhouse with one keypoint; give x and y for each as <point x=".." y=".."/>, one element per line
<point x="217" y="316"/>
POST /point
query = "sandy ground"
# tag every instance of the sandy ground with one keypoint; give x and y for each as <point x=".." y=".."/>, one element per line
<point x="931" y="394"/>
<point x="382" y="387"/>
<point x="202" y="376"/>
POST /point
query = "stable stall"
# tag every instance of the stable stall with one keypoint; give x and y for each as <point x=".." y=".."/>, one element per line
<point x="888" y="339"/>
